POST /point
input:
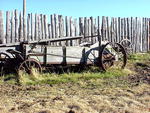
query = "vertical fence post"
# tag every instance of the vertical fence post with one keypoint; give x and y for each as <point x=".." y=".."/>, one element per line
<point x="29" y="27"/>
<point x="12" y="27"/>
<point x="24" y="21"/>
<point x="20" y="28"/>
<point x="8" y="27"/>
<point x="16" y="25"/>
<point x="2" y="37"/>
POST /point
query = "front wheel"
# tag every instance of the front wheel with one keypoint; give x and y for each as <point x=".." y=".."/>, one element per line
<point x="30" y="66"/>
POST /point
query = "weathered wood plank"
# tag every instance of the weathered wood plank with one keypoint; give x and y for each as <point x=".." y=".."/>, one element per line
<point x="76" y="32"/>
<point x="32" y="27"/>
<point x="8" y="27"/>
<point x="67" y="29"/>
<point x="29" y="27"/>
<point x="119" y="29"/>
<point x="24" y="28"/>
<point x="24" y="21"/>
<point x="21" y="28"/>
<point x="116" y="30"/>
<point x="92" y="29"/>
<point x="50" y="31"/>
<point x="12" y="27"/>
<point x="52" y="26"/>
<point x="45" y="26"/>
<point x="140" y="30"/>
<point x="99" y="31"/>
<point x="148" y="33"/>
<point x="112" y="30"/>
<point x="136" y="35"/>
<point x="85" y="29"/>
<point x="81" y="28"/>
<point x="103" y="31"/>
<point x="89" y="29"/>
<point x="60" y="22"/>
<point x="122" y="29"/>
<point x="72" y="31"/>
<point x="36" y="27"/>
<point x="107" y="29"/>
<point x="16" y="26"/>
<point x="95" y="31"/>
<point x="2" y="36"/>
<point x="132" y="33"/>
<point x="39" y="27"/>
<point x="56" y="26"/>
<point x="138" y="44"/>
<point x="42" y="26"/>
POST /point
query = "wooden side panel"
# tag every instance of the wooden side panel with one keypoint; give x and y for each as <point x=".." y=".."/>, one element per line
<point x="54" y="55"/>
<point x="74" y="55"/>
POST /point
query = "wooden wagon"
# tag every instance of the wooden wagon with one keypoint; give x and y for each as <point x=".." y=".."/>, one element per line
<point x="28" y="55"/>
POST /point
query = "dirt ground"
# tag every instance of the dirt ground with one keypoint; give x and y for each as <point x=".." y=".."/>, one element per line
<point x="79" y="98"/>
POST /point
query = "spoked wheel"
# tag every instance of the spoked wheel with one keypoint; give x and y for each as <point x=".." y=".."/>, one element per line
<point x="3" y="62"/>
<point x="112" y="55"/>
<point x="126" y="43"/>
<point x="30" y="66"/>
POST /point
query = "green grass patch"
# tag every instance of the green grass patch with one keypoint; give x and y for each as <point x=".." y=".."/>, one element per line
<point x="141" y="57"/>
<point x="52" y="78"/>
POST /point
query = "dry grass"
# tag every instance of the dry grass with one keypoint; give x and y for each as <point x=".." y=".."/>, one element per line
<point x="87" y="92"/>
<point x="34" y="99"/>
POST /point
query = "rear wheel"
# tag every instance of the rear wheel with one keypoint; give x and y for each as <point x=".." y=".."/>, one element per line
<point x="112" y="55"/>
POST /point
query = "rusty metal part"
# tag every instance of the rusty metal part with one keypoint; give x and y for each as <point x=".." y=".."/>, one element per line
<point x="114" y="57"/>
<point x="29" y="65"/>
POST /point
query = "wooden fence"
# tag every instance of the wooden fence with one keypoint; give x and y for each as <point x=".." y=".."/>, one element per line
<point x="33" y="27"/>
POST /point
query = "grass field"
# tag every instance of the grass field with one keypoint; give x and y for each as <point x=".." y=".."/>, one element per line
<point x="89" y="91"/>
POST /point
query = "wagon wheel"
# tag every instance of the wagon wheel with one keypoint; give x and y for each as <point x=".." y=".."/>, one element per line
<point x="112" y="55"/>
<point x="29" y="66"/>
<point x="126" y="43"/>
<point x="3" y="60"/>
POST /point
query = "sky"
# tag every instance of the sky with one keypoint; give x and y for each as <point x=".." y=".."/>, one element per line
<point x="82" y="8"/>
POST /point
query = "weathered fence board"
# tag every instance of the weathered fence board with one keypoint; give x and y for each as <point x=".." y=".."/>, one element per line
<point x="34" y="27"/>
<point x="21" y="28"/>
<point x="16" y="26"/>
<point x="8" y="27"/>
